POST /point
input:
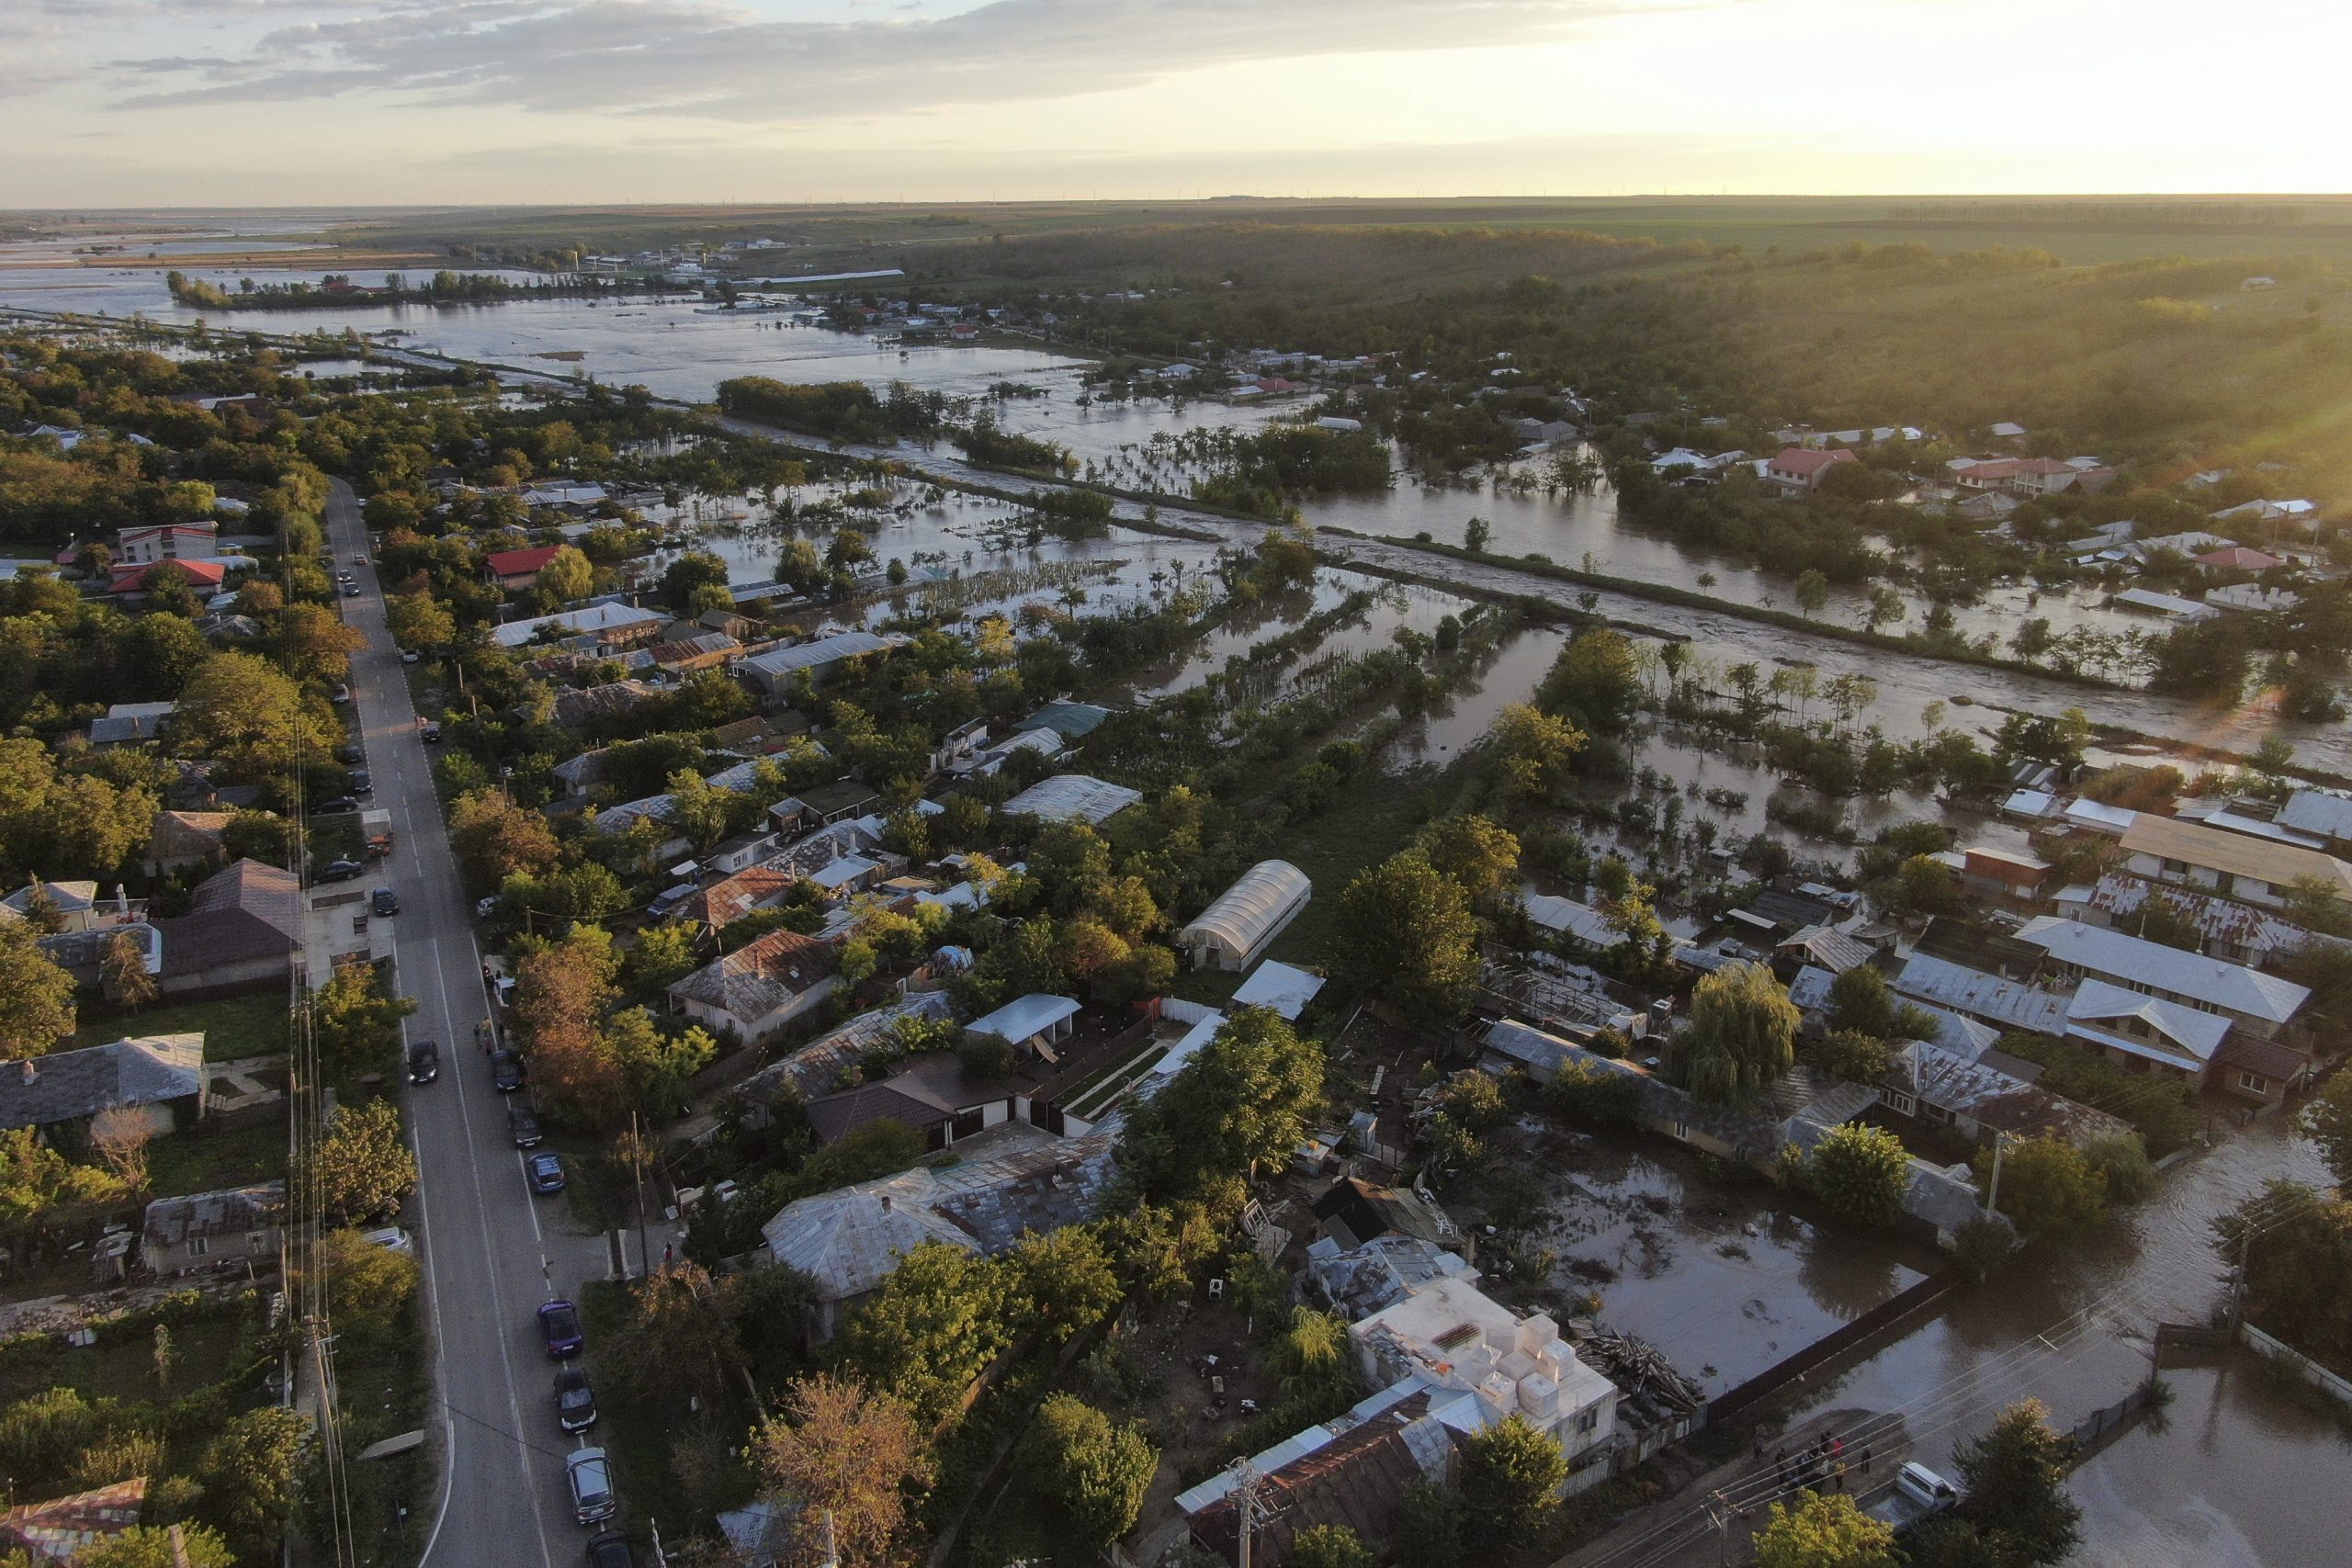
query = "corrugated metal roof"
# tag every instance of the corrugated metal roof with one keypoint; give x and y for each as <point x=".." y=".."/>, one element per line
<point x="2137" y="963"/>
<point x="1072" y="797"/>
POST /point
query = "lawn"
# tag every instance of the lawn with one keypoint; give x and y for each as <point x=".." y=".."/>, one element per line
<point x="125" y="1368"/>
<point x="199" y="1161"/>
<point x="252" y="1024"/>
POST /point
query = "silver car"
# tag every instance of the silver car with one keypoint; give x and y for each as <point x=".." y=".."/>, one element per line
<point x="592" y="1485"/>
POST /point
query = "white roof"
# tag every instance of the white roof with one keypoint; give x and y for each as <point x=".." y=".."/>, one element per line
<point x="2165" y="604"/>
<point x="1281" y="987"/>
<point x="2030" y="803"/>
<point x="1582" y="921"/>
<point x="1018" y="1019"/>
<point x="2316" y="811"/>
<point x="1243" y="914"/>
<point x="2135" y="961"/>
<point x="1072" y="797"/>
<point x="593" y="619"/>
<point x="847" y="869"/>
<point x="2192" y="1034"/>
<point x="781" y="661"/>
<point x="2088" y="813"/>
<point x="1200" y="1034"/>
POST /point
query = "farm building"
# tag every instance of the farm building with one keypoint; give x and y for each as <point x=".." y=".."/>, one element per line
<point x="1246" y="917"/>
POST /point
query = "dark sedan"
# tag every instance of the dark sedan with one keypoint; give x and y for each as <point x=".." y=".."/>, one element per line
<point x="559" y="1330"/>
<point x="609" y="1549"/>
<point x="505" y="1071"/>
<point x="575" y="1402"/>
<point x="423" y="1061"/>
<point x="523" y="1125"/>
<point x="340" y="871"/>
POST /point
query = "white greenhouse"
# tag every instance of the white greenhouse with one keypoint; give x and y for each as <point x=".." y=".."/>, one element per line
<point x="1246" y="917"/>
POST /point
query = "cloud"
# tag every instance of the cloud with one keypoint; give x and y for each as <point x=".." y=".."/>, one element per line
<point x="722" y="61"/>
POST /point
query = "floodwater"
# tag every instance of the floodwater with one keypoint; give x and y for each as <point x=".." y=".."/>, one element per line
<point x="2243" y="1475"/>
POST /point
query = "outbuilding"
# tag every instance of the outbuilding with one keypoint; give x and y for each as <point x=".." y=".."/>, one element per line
<point x="1242" y="923"/>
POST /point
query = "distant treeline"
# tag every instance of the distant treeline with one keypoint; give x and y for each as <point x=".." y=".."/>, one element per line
<point x="2106" y="214"/>
<point x="846" y="411"/>
<point x="445" y="287"/>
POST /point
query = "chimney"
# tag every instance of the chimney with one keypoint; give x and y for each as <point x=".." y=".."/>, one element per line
<point x="886" y="1196"/>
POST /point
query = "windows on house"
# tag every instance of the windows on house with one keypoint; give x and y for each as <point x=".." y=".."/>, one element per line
<point x="2254" y="1083"/>
<point x="1901" y="1103"/>
<point x="199" y="1246"/>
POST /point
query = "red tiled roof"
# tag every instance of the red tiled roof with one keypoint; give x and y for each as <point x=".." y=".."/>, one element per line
<point x="1803" y="464"/>
<point x="2239" y="558"/>
<point x="200" y="574"/>
<point x="519" y="563"/>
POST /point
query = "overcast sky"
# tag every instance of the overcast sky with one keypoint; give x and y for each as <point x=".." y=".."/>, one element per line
<point x="348" y="102"/>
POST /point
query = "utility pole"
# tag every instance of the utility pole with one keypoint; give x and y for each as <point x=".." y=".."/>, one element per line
<point x="1993" y="1193"/>
<point x="1719" y="1514"/>
<point x="1245" y="1513"/>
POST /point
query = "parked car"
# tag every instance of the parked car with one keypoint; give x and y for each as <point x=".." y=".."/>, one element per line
<point x="340" y="871"/>
<point x="339" y="693"/>
<point x="350" y="754"/>
<point x="559" y="1330"/>
<point x="408" y="656"/>
<point x="362" y="782"/>
<point x="575" y="1402"/>
<point x="610" y="1548"/>
<point x="546" y="1172"/>
<point x="485" y="908"/>
<point x="670" y="898"/>
<point x="423" y="1061"/>
<point x="592" y="1486"/>
<point x="340" y="805"/>
<point x="351" y="591"/>
<point x="432" y="733"/>
<point x="1918" y="1494"/>
<point x="523" y="1125"/>
<point x="391" y="1238"/>
<point x="505" y="1071"/>
<point x="384" y="901"/>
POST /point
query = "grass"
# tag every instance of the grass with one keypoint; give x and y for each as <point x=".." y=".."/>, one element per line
<point x="1369" y="821"/>
<point x="252" y="1024"/>
<point x="125" y="1369"/>
<point x="195" y="1161"/>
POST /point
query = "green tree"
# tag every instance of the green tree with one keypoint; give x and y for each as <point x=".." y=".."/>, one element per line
<point x="2295" y="1245"/>
<point x="420" y="621"/>
<point x="1241" y="1104"/>
<point x="1477" y="853"/>
<point x="1406" y="936"/>
<point x="1853" y="1056"/>
<point x="1528" y="752"/>
<point x="1597" y="680"/>
<point x="2327" y="1122"/>
<point x="1067" y="1282"/>
<point x="660" y="955"/>
<point x="252" y="1477"/>
<point x="38" y="1184"/>
<point x="1859" y="1172"/>
<point x="1825" y="1532"/>
<point x="2014" y="1487"/>
<point x="1310" y="1354"/>
<point x="2049" y="1189"/>
<point x="658" y="1063"/>
<point x="355" y="1023"/>
<point x="363" y="1166"/>
<point x="930" y="1330"/>
<point x="495" y="838"/>
<point x="35" y="996"/>
<point x="1862" y="1002"/>
<point x="1330" y="1546"/>
<point x="1741" y="1036"/>
<point x="1812" y="591"/>
<point x="1511" y="1478"/>
<point x="567" y="576"/>
<point x="1095" y="1469"/>
<point x="153" y="1546"/>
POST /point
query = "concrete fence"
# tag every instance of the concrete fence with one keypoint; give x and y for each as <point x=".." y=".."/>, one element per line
<point x="2310" y="1371"/>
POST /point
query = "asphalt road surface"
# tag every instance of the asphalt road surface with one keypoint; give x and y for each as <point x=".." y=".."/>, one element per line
<point x="492" y="1252"/>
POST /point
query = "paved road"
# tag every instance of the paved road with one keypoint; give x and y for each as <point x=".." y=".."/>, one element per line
<point x="492" y="1252"/>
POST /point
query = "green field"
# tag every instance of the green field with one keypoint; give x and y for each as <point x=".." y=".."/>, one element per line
<point x="252" y="1024"/>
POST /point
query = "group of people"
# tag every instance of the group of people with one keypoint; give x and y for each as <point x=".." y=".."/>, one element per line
<point x="1820" y="1465"/>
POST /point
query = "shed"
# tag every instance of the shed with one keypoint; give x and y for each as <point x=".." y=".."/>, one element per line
<point x="1036" y="1023"/>
<point x="1232" y="932"/>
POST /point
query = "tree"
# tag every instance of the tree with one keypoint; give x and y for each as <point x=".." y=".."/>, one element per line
<point x="123" y="970"/>
<point x="2295" y="1243"/>
<point x="355" y="1023"/>
<point x="868" y="1152"/>
<point x="1741" y="1035"/>
<point x="362" y="1167"/>
<point x="845" y="1449"/>
<point x="701" y="814"/>
<point x="681" y="1339"/>
<point x="1529" y="750"/>
<point x="1812" y="591"/>
<point x="1859" y="1172"/>
<point x="1095" y="1469"/>
<point x="314" y="644"/>
<point x="420" y="621"/>
<point x="252" y="1477"/>
<point x="1330" y="1546"/>
<point x="567" y="576"/>
<point x="2049" y="1188"/>
<point x="1406" y="936"/>
<point x="1825" y="1532"/>
<point x="1511" y="1478"/>
<point x="660" y="955"/>
<point x="120" y="1137"/>
<point x="930" y="1330"/>
<point x="1241" y="1103"/>
<point x="1477" y="853"/>
<point x="1597" y="680"/>
<point x="2327" y="1122"/>
<point x="36" y="1183"/>
<point x="1862" y="1002"/>
<point x="153" y="1546"/>
<point x="1067" y="1281"/>
<point x="495" y="838"/>
<point x="1311" y="1353"/>
<point x="35" y="996"/>
<point x="2014" y="1487"/>
<point x="557" y="1016"/>
<point x="658" y="1064"/>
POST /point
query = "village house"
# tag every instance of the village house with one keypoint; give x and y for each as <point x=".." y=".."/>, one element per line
<point x="156" y="1081"/>
<point x="243" y="928"/>
<point x="241" y="1224"/>
<point x="606" y="626"/>
<point x="1801" y="469"/>
<point x="148" y="543"/>
<point x="849" y="1241"/>
<point x="2234" y="864"/>
<point x="202" y="576"/>
<point x="512" y="569"/>
<point x="131" y="724"/>
<point x="933" y="1093"/>
<point x="1072" y="797"/>
<point x="753" y="992"/>
<point x="58" y="1530"/>
<point x="776" y="671"/>
<point x="177" y="840"/>
<point x="71" y="906"/>
<point x="1030" y="1025"/>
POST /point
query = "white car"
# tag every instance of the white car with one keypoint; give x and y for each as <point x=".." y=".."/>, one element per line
<point x="408" y="656"/>
<point x="391" y="1238"/>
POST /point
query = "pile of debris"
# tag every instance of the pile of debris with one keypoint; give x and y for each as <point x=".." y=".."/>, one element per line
<point x="1640" y="1371"/>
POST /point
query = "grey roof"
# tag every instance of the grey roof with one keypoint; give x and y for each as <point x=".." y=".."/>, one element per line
<point x="1831" y="949"/>
<point x="1071" y="721"/>
<point x="66" y="1086"/>
<point x="818" y="1065"/>
<point x="928" y="1090"/>
<point x="2011" y="1004"/>
<point x="87" y="950"/>
<point x="1361" y="1280"/>
<point x="2317" y="811"/>
<point x="2165" y="971"/>
<point x="232" y="1211"/>
<point x="764" y="975"/>
<point x="589" y="704"/>
<point x="849" y="1240"/>
<point x="1985" y="1093"/>
<point x="780" y="663"/>
<point x="1072" y="797"/>
<point x="269" y="893"/>
<point x="1024" y="1016"/>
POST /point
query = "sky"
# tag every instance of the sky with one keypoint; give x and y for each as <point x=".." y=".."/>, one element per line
<point x="138" y="103"/>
